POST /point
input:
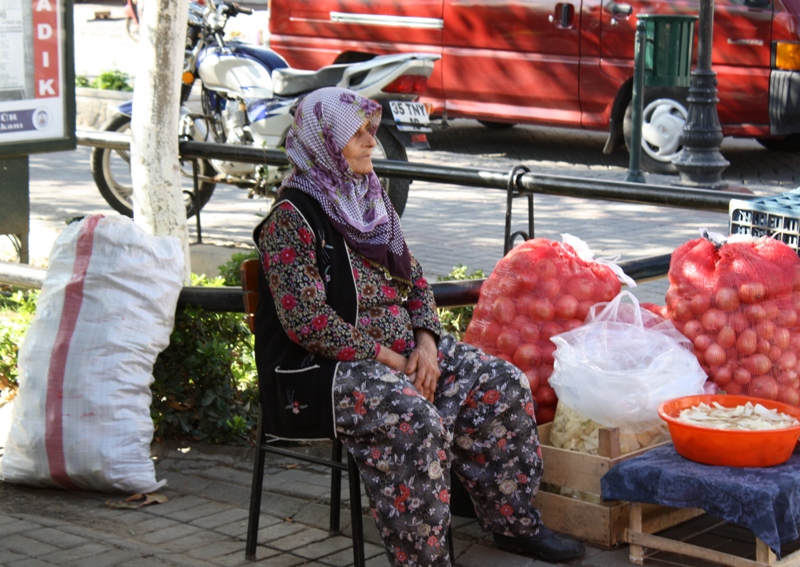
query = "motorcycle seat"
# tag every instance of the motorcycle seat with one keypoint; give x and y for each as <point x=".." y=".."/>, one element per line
<point x="292" y="82"/>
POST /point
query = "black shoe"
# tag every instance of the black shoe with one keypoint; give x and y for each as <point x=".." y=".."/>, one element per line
<point x="547" y="545"/>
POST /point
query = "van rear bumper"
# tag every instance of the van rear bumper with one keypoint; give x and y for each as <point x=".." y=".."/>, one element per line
<point x="784" y="102"/>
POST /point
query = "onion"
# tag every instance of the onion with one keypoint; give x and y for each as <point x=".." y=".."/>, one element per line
<point x="692" y="328"/>
<point x="714" y="355"/>
<point x="545" y="371"/>
<point x="787" y="377"/>
<point x="533" y="378"/>
<point x="572" y="324"/>
<point x="763" y="346"/>
<point x="786" y="317"/>
<point x="741" y="376"/>
<point x="542" y="309"/>
<point x="771" y="309"/>
<point x="508" y="287"/>
<point x="722" y="375"/>
<point x="549" y="329"/>
<point x="787" y="360"/>
<point x="503" y="309"/>
<point x="545" y="395"/>
<point x="549" y="287"/>
<point x="566" y="306"/>
<point x="764" y="387"/>
<point x="734" y="388"/>
<point x="545" y="269"/>
<point x="726" y="337"/>
<point x="682" y="310"/>
<point x="757" y="364"/>
<point x="545" y="414"/>
<point x="583" y="309"/>
<point x="765" y="329"/>
<point x="547" y="348"/>
<point x="739" y="322"/>
<point x="774" y="353"/>
<point x="747" y="343"/>
<point x="752" y="292"/>
<point x="527" y="280"/>
<point x="490" y="332"/>
<point x="527" y="356"/>
<point x="702" y="342"/>
<point x="789" y="395"/>
<point x="755" y="312"/>
<point x="529" y="332"/>
<point x="727" y="299"/>
<point x="700" y="303"/>
<point x="580" y="288"/>
<point x="507" y="342"/>
<point x="714" y="319"/>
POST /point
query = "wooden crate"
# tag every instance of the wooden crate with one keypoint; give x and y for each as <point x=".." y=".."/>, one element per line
<point x="638" y="538"/>
<point x="604" y="524"/>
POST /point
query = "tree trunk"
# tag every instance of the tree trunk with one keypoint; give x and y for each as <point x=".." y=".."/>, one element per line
<point x="158" y="202"/>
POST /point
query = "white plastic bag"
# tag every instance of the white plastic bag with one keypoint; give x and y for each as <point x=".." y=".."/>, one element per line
<point x="622" y="364"/>
<point x="81" y="418"/>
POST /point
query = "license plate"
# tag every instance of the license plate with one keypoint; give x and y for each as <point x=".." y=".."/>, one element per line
<point x="410" y="116"/>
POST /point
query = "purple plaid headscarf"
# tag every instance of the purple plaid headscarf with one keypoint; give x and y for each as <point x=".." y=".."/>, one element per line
<point x="356" y="204"/>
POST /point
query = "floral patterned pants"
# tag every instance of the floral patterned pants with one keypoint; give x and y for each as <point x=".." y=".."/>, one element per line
<point x="481" y="423"/>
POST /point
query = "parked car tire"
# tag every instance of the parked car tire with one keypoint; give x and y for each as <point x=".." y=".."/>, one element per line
<point x="790" y="143"/>
<point x="390" y="148"/>
<point x="663" y="117"/>
<point x="111" y="172"/>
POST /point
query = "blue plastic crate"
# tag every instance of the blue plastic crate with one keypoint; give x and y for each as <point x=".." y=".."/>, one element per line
<point x="778" y="217"/>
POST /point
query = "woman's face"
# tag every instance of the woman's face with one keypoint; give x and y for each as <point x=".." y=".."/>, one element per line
<point x="358" y="151"/>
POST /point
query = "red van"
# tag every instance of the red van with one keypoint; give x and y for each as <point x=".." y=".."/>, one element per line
<point x="563" y="62"/>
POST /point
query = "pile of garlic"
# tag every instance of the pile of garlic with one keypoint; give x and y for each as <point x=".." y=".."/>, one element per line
<point x="748" y="417"/>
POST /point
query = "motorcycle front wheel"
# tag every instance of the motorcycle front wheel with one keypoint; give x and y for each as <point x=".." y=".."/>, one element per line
<point x="388" y="147"/>
<point x="111" y="170"/>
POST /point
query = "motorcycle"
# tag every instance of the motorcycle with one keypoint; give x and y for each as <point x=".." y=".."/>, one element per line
<point x="248" y="95"/>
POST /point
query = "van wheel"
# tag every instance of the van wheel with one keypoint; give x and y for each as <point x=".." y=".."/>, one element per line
<point x="496" y="125"/>
<point x="790" y="143"/>
<point x="663" y="118"/>
<point x="389" y="147"/>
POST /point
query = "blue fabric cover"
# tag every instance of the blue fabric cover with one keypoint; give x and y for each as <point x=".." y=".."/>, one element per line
<point x="764" y="500"/>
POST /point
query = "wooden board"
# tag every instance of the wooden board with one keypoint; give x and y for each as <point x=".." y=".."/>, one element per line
<point x="600" y="524"/>
<point x="638" y="537"/>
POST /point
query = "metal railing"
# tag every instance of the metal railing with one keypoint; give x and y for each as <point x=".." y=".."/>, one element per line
<point x="527" y="182"/>
<point x="518" y="181"/>
<point x="229" y="299"/>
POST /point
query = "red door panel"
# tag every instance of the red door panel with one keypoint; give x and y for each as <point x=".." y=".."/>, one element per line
<point x="515" y="60"/>
<point x="740" y="57"/>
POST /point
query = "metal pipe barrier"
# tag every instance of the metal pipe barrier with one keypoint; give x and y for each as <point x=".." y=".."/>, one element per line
<point x="529" y="182"/>
<point x="229" y="299"/>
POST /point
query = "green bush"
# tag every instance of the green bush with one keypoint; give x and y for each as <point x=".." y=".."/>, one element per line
<point x="82" y="81"/>
<point x="456" y="320"/>
<point x="112" y="81"/>
<point x="229" y="271"/>
<point x="16" y="313"/>
<point x="205" y="385"/>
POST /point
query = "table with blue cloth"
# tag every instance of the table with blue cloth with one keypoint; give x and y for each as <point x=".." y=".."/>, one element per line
<point x="764" y="500"/>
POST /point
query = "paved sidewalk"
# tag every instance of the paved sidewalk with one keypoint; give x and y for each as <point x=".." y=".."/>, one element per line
<point x="204" y="522"/>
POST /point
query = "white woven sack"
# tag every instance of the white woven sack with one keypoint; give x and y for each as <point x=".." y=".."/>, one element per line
<point x="81" y="419"/>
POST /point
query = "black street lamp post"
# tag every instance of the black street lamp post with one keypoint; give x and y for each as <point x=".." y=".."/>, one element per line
<point x="700" y="164"/>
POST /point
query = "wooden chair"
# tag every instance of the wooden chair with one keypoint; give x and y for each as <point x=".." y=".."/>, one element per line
<point x="249" y="271"/>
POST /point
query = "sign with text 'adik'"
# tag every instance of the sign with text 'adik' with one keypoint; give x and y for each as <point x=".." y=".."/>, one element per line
<point x="37" y="77"/>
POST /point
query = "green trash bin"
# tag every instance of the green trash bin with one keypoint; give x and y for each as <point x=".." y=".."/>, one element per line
<point x="668" y="49"/>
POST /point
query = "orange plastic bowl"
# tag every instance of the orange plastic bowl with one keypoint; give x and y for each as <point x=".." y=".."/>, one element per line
<point x="730" y="448"/>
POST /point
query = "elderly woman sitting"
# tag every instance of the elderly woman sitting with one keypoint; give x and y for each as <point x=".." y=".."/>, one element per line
<point x="348" y="341"/>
